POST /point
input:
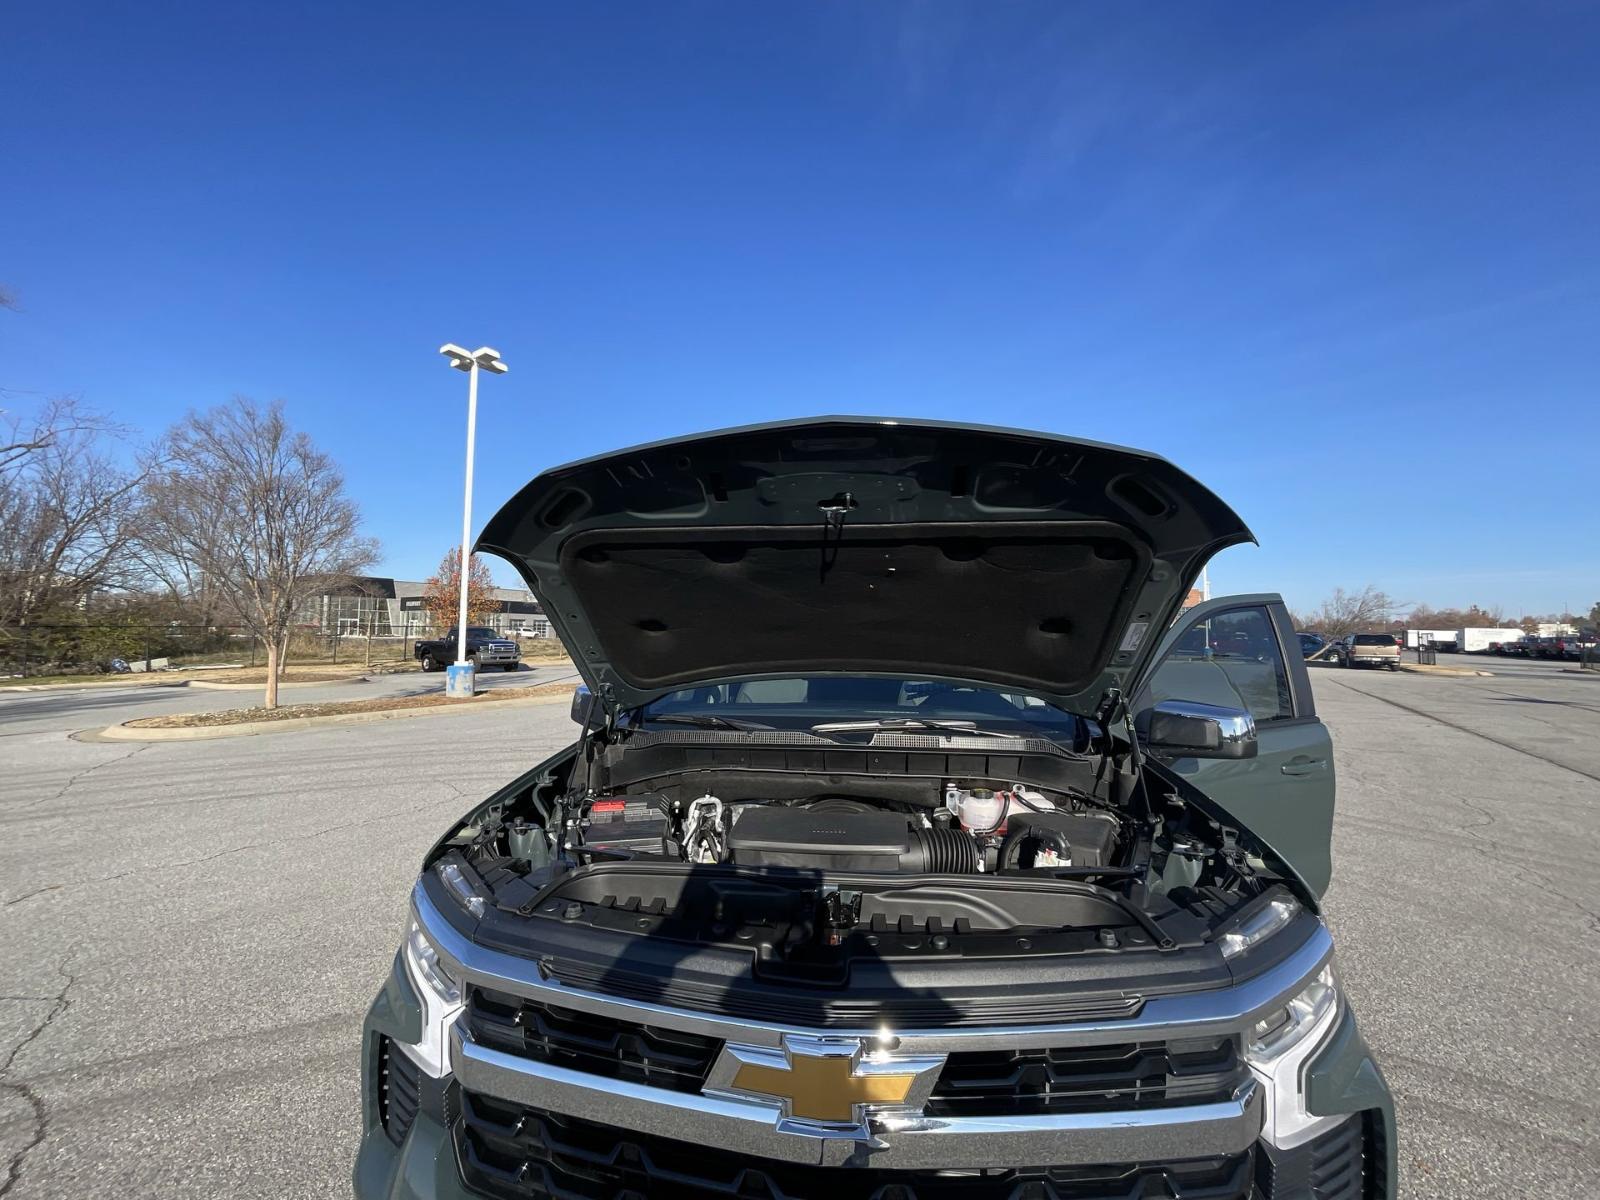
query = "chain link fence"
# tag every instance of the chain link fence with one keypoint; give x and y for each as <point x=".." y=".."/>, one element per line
<point x="114" y="647"/>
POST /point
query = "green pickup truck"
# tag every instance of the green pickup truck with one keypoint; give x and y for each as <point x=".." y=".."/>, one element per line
<point x="911" y="846"/>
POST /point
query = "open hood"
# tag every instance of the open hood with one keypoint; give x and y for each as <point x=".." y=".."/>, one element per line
<point x="862" y="546"/>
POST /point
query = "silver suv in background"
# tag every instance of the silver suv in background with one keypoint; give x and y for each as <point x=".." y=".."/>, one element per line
<point x="1369" y="650"/>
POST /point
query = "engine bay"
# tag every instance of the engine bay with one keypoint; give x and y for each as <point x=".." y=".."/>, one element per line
<point x="963" y="828"/>
<point x="818" y="866"/>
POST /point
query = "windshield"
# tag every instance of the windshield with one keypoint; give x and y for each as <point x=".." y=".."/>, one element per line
<point x="800" y="702"/>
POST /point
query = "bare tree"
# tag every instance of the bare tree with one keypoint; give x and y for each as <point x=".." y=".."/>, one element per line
<point x="1425" y="616"/>
<point x="1345" y="612"/>
<point x="69" y="510"/>
<point x="179" y="580"/>
<point x="261" y="514"/>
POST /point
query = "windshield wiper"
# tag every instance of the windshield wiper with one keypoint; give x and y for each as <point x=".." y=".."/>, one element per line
<point x="897" y="724"/>
<point x="703" y="721"/>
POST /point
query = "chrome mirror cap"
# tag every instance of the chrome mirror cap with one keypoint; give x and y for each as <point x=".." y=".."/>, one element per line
<point x="1188" y="729"/>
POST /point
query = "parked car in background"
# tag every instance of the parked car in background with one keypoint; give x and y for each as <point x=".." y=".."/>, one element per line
<point x="1566" y="646"/>
<point x="1522" y="647"/>
<point x="1310" y="643"/>
<point x="1370" y="650"/>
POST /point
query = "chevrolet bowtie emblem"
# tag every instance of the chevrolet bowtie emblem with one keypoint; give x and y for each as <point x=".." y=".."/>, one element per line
<point x="825" y="1081"/>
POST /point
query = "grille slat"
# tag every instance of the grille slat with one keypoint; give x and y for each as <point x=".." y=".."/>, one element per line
<point x="1346" y="1163"/>
<point x="1339" y="1163"/>
<point x="662" y="1058"/>
<point x="399" y="1091"/>
<point x="1088" y="1078"/>
<point x="516" y="1153"/>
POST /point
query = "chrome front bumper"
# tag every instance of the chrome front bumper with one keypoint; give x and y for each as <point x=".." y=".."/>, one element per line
<point x="919" y="1143"/>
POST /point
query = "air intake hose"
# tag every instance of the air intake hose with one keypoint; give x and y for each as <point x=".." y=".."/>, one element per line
<point x="940" y="850"/>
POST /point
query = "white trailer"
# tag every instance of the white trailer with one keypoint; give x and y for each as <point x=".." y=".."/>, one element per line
<point x="1422" y="637"/>
<point x="1477" y="641"/>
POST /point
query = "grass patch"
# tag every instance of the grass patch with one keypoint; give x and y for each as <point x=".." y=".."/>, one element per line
<point x="290" y="712"/>
<point x="541" y="648"/>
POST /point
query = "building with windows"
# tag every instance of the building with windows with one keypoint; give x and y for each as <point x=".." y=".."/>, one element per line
<point x="378" y="606"/>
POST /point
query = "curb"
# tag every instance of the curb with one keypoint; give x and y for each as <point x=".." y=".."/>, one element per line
<point x="181" y="678"/>
<point x="209" y="686"/>
<point x="203" y="733"/>
<point x="117" y="681"/>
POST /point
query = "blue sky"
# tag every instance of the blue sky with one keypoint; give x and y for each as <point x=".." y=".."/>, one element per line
<point x="1342" y="262"/>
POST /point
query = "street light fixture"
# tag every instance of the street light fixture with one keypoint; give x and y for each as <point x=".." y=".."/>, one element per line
<point x="458" y="677"/>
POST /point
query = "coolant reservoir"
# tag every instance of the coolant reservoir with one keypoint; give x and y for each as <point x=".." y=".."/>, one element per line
<point x="979" y="810"/>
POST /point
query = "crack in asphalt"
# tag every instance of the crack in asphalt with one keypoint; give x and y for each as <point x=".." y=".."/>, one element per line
<point x="1488" y="819"/>
<point x="90" y="770"/>
<point x="41" y="1112"/>
<point x="205" y="858"/>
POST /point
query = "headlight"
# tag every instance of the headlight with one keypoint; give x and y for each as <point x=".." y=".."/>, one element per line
<point x="1280" y="1031"/>
<point x="425" y="964"/>
<point x="1259" y="926"/>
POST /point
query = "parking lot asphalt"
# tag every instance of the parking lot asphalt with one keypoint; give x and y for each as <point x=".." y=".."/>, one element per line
<point x="1466" y="902"/>
<point x="193" y="931"/>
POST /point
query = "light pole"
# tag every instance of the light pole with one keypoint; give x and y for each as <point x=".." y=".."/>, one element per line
<point x="458" y="680"/>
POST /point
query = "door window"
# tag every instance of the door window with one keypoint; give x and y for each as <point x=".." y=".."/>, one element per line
<point x="1233" y="660"/>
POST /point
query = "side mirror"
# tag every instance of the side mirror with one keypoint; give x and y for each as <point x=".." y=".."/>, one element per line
<point x="1187" y="729"/>
<point x="581" y="699"/>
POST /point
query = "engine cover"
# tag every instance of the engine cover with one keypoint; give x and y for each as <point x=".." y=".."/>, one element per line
<point x="779" y="836"/>
<point x="832" y="838"/>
